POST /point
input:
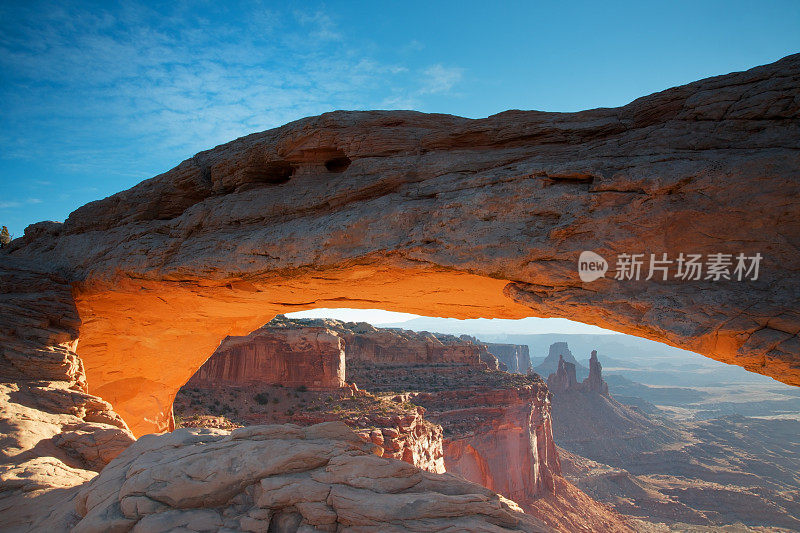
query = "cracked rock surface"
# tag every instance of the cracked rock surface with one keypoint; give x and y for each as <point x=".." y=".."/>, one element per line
<point x="282" y="478"/>
<point x="446" y="216"/>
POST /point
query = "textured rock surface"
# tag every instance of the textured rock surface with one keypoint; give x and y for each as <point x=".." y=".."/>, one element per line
<point x="308" y="356"/>
<point x="497" y="432"/>
<point x="447" y="216"/>
<point x="364" y="342"/>
<point x="53" y="434"/>
<point x="319" y="478"/>
<point x="501" y="439"/>
<point x="516" y="357"/>
<point x="388" y="421"/>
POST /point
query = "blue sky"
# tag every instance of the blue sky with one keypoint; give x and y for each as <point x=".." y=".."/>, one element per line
<point x="97" y="96"/>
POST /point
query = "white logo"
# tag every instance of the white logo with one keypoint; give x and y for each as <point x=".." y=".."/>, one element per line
<point x="591" y="266"/>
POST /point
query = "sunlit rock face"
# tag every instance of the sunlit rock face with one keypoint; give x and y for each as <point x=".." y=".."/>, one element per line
<point x="447" y="216"/>
<point x="55" y="435"/>
<point x="363" y="342"/>
<point x="310" y="357"/>
<point x="501" y="439"/>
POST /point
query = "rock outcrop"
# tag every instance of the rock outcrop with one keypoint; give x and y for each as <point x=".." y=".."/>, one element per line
<point x="280" y="478"/>
<point x="594" y="382"/>
<point x="312" y="357"/>
<point x="557" y="351"/>
<point x="389" y="421"/>
<point x="565" y="380"/>
<point x="564" y="377"/>
<point x="497" y="432"/>
<point x="501" y="439"/>
<point x="447" y="216"/>
<point x="55" y="435"/>
<point x="364" y="342"/>
<point x="516" y="357"/>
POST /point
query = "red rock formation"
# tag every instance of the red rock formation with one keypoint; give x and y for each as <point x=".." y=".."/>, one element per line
<point x="564" y="378"/>
<point x="595" y="383"/>
<point x="447" y="216"/>
<point x="409" y="438"/>
<point x="501" y="439"/>
<point x="309" y="356"/>
<point x="54" y="434"/>
<point x="366" y="343"/>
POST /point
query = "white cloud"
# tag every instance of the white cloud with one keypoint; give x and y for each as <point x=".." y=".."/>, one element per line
<point x="100" y="92"/>
<point x="11" y="204"/>
<point x="440" y="79"/>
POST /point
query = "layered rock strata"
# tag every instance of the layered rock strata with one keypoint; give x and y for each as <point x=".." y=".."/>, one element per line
<point x="516" y="357"/>
<point x="364" y="342"/>
<point x="55" y="435"/>
<point x="447" y="216"/>
<point x="312" y="357"/>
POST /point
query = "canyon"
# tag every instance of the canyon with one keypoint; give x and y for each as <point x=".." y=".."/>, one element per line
<point x="445" y="216"/>
<point x="107" y="315"/>
<point x="428" y="399"/>
<point x="731" y="472"/>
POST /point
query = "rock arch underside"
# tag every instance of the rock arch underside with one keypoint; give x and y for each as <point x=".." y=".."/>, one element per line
<point x="445" y="216"/>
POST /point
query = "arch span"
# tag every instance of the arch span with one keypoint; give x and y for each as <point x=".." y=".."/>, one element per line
<point x="446" y="216"/>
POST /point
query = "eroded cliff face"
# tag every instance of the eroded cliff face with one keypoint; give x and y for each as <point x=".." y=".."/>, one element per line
<point x="446" y="216"/>
<point x="310" y="356"/>
<point x="501" y="439"/>
<point x="516" y="357"/>
<point x="364" y="342"/>
<point x="55" y="435"/>
<point x="497" y="432"/>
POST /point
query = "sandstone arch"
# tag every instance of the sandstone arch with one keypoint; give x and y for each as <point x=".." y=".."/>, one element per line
<point x="447" y="216"/>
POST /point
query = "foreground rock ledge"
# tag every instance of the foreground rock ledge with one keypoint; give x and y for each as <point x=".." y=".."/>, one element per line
<point x="282" y="478"/>
<point x="446" y="216"/>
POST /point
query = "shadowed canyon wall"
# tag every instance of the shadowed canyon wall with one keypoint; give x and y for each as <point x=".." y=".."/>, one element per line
<point x="446" y="216"/>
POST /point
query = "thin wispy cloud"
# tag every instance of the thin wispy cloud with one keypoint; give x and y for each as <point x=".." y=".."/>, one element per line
<point x="97" y="98"/>
<point x="174" y="84"/>
<point x="9" y="204"/>
<point x="440" y="79"/>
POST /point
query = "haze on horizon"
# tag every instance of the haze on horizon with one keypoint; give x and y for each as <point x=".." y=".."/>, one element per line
<point x="97" y="97"/>
<point x="529" y="326"/>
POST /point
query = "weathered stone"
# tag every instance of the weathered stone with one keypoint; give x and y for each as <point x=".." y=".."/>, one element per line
<point x="447" y="216"/>
<point x="282" y="478"/>
<point x="304" y="356"/>
<point x="516" y="357"/>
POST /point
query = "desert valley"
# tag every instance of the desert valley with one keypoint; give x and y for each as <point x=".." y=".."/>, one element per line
<point x="155" y="376"/>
